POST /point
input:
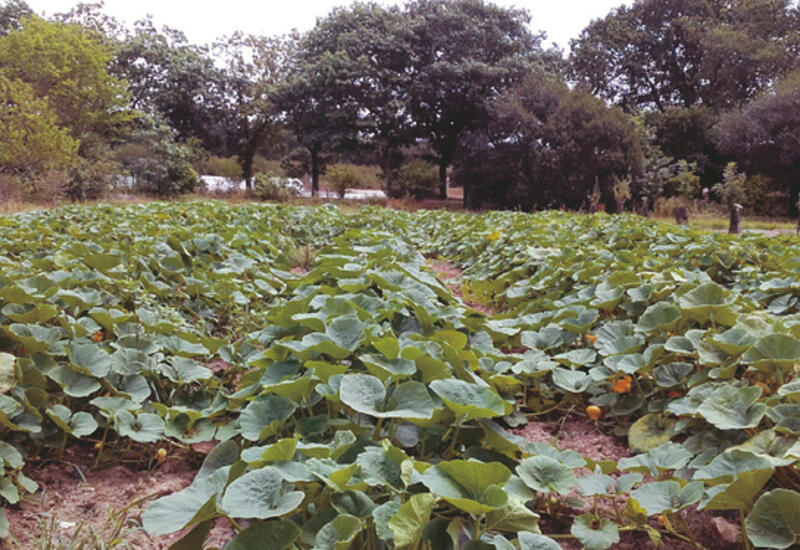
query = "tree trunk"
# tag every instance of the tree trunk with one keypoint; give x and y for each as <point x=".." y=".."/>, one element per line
<point x="247" y="170"/>
<point x="314" y="172"/>
<point x="443" y="179"/>
<point x="734" y="226"/>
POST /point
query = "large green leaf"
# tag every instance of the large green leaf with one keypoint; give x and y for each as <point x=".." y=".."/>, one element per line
<point x="472" y="486"/>
<point x="259" y="494"/>
<point x="732" y="408"/>
<point x="593" y="536"/>
<point x="775" y="520"/>
<point x="263" y="416"/>
<point x="774" y="351"/>
<point x="366" y="394"/>
<point x="650" y="431"/>
<point x="546" y="474"/>
<point x="195" y="503"/>
<point x="667" y="496"/>
<point x="470" y="401"/>
<point x="709" y="302"/>
<point x="410" y="519"/>
<point x="739" y="494"/>
<point x="338" y="534"/>
<point x="7" y="377"/>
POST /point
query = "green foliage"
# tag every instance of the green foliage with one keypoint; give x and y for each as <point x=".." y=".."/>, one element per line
<point x="416" y="179"/>
<point x="363" y="404"/>
<point x="223" y="167"/>
<point x="341" y="179"/>
<point x="158" y="164"/>
<point x="31" y="140"/>
<point x="267" y="187"/>
<point x="686" y="182"/>
<point x="731" y="190"/>
<point x="548" y="146"/>
<point x="673" y="53"/>
<point x="66" y="65"/>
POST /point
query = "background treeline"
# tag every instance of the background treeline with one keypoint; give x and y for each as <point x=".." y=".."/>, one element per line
<point x="652" y="105"/>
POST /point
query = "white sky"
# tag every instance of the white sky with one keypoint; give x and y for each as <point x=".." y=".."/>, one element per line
<point x="204" y="20"/>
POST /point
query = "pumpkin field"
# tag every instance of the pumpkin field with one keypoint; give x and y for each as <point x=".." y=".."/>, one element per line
<point x="374" y="379"/>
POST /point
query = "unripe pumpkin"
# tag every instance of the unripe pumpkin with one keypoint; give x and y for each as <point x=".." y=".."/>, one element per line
<point x="594" y="412"/>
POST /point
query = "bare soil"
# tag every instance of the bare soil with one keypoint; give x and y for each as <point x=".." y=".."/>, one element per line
<point x="79" y="500"/>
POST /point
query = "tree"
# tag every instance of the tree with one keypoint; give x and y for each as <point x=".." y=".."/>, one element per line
<point x="658" y="54"/>
<point x="371" y="45"/>
<point x="316" y="100"/>
<point x="174" y="80"/>
<point x="253" y="69"/>
<point x="68" y="67"/>
<point x="12" y="12"/>
<point x="764" y="136"/>
<point x="548" y="146"/>
<point x="465" y="53"/>
<point x="31" y="141"/>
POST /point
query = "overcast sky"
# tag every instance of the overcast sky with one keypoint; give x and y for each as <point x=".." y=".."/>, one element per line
<point x="204" y="20"/>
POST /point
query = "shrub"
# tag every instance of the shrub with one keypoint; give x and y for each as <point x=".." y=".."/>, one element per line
<point x="418" y="179"/>
<point x="267" y="187"/>
<point x="622" y="192"/>
<point x="341" y="178"/>
<point x="224" y="167"/>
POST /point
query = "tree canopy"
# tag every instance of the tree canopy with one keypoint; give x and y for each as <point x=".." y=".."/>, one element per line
<point x="659" y="54"/>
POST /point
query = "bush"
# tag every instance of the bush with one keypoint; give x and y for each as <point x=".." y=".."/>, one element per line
<point x="223" y="167"/>
<point x="157" y="162"/>
<point x="341" y="179"/>
<point x="89" y="179"/>
<point x="267" y="187"/>
<point x="418" y="179"/>
<point x="760" y="198"/>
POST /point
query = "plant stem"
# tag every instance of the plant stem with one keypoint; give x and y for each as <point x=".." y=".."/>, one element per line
<point x="745" y="538"/>
<point x="451" y="449"/>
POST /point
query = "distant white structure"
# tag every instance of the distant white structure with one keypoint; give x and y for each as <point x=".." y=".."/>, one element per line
<point x="218" y="184"/>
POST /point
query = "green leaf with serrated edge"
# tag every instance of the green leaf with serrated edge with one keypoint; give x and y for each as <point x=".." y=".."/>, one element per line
<point x="732" y="408"/>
